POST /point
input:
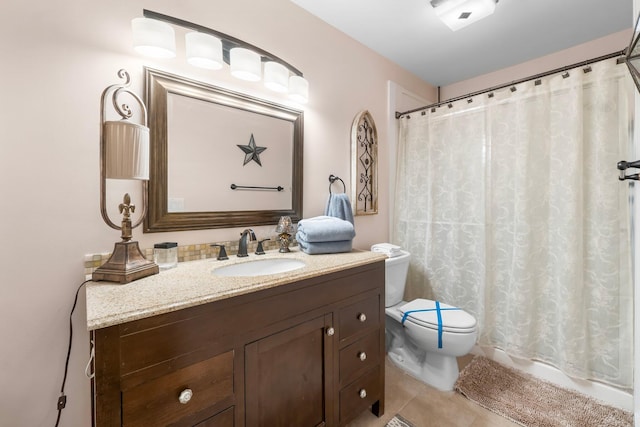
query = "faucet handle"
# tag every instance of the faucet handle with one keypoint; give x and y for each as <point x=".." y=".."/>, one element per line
<point x="259" y="249"/>
<point x="222" y="254"/>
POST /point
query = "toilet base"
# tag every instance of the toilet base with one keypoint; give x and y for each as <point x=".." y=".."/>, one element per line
<point x="436" y="370"/>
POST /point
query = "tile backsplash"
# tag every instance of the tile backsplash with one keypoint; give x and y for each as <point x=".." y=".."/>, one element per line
<point x="187" y="252"/>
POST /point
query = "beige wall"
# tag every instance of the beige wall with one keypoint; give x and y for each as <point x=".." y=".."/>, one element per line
<point x="583" y="52"/>
<point x="57" y="57"/>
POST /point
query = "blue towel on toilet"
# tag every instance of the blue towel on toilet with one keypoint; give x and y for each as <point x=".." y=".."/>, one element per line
<point x="324" y="229"/>
<point x="315" y="248"/>
<point x="339" y="206"/>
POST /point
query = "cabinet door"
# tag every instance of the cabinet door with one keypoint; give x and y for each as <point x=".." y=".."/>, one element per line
<point x="288" y="375"/>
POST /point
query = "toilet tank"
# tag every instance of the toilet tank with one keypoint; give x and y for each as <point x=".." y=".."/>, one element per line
<point x="396" y="269"/>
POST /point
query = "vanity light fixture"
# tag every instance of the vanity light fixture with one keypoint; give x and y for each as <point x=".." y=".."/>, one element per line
<point x="124" y="154"/>
<point x="203" y="50"/>
<point x="457" y="14"/>
<point x="245" y="64"/>
<point x="298" y="89"/>
<point x="245" y="60"/>
<point x="276" y="76"/>
<point x="153" y="38"/>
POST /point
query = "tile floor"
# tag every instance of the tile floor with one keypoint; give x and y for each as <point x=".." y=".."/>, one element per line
<point x="425" y="406"/>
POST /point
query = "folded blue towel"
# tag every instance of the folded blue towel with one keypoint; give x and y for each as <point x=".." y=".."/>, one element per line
<point x="315" y="248"/>
<point x="324" y="229"/>
<point x="339" y="206"/>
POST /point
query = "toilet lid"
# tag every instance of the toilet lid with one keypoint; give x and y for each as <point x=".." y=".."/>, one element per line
<point x="453" y="319"/>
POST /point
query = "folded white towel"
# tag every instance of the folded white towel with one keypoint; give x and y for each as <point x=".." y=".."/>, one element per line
<point x="388" y="249"/>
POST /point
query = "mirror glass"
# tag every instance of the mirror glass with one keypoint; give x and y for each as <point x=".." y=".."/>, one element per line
<point x="219" y="158"/>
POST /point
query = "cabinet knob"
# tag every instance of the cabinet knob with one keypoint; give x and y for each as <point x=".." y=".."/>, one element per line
<point x="362" y="317"/>
<point x="331" y="331"/>
<point x="363" y="393"/>
<point x="185" y="396"/>
<point x="362" y="356"/>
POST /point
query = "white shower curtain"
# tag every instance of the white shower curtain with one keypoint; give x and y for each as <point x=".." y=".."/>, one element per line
<point x="512" y="210"/>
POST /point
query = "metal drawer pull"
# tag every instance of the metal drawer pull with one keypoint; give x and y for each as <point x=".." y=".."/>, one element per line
<point x="363" y="393"/>
<point x="331" y="331"/>
<point x="362" y="317"/>
<point x="362" y="356"/>
<point x="185" y="396"/>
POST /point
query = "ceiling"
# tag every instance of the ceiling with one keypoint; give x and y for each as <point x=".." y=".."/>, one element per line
<point x="408" y="32"/>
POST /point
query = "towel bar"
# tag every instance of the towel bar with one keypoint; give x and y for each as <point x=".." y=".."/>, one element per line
<point x="249" y="187"/>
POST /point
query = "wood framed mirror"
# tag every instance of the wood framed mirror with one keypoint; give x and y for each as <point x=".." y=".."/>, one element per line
<point x="219" y="158"/>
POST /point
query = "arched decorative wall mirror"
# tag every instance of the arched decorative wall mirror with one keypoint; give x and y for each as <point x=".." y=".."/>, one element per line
<point x="219" y="158"/>
<point x="632" y="58"/>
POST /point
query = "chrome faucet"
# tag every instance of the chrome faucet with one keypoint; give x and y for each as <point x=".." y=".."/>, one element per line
<point x="242" y="245"/>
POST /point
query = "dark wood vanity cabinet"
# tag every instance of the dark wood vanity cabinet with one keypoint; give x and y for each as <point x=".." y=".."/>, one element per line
<point x="309" y="353"/>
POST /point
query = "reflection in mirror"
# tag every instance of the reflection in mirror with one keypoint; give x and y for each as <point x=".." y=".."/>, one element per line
<point x="219" y="158"/>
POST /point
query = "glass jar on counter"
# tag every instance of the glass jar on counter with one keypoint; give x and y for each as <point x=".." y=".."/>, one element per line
<point x="165" y="255"/>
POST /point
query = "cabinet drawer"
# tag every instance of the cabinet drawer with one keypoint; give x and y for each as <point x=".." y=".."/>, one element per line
<point x="223" y="419"/>
<point x="157" y="402"/>
<point x="359" y="317"/>
<point x="360" y="394"/>
<point x="359" y="357"/>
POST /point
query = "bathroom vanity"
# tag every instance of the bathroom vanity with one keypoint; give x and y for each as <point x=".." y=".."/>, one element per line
<point x="190" y="348"/>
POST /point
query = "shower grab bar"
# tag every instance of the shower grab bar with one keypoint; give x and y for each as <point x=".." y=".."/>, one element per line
<point x="250" y="187"/>
<point x="332" y="179"/>
<point x="624" y="165"/>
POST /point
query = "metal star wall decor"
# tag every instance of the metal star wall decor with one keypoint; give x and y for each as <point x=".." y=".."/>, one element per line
<point x="251" y="151"/>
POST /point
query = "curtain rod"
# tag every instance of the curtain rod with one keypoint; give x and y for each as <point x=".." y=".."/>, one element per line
<point x="515" y="82"/>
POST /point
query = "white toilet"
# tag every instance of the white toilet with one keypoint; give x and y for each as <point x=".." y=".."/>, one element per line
<point x="427" y="343"/>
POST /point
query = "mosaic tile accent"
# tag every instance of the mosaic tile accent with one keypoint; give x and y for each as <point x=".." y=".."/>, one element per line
<point x="187" y="252"/>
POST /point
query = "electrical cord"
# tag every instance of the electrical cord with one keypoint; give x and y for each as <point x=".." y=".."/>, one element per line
<point x="62" y="400"/>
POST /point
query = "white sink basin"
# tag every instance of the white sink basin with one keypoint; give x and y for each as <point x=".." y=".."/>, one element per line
<point x="260" y="267"/>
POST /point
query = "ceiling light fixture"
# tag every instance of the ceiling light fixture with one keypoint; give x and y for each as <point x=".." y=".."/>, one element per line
<point x="209" y="49"/>
<point x="457" y="14"/>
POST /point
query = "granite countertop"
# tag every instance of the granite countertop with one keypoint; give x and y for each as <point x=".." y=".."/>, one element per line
<point x="193" y="283"/>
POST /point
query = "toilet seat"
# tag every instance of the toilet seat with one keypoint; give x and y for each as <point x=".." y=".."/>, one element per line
<point x="452" y="319"/>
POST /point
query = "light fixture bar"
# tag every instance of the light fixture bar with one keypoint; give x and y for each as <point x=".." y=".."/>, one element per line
<point x="228" y="42"/>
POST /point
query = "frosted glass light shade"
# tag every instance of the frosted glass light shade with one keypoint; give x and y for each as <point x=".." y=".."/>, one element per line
<point x="276" y="76"/>
<point x="457" y="14"/>
<point x="153" y="38"/>
<point x="245" y="64"/>
<point x="298" y="89"/>
<point x="204" y="50"/>
<point x="127" y="150"/>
